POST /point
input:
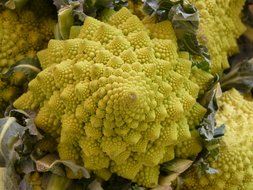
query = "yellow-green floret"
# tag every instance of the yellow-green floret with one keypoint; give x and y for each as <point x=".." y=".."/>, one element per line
<point x="117" y="97"/>
<point x="23" y="33"/>
<point x="235" y="160"/>
<point x="220" y="26"/>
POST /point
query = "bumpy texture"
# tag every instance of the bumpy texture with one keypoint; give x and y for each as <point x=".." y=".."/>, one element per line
<point x="118" y="97"/>
<point x="235" y="160"/>
<point x="24" y="32"/>
<point x="220" y="26"/>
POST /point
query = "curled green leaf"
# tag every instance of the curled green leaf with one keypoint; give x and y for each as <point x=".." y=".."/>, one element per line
<point x="176" y="165"/>
<point x="73" y="13"/>
<point x="74" y="32"/>
<point x="65" y="21"/>
<point x="185" y="20"/>
<point x="10" y="132"/>
<point x="52" y="163"/>
<point x="204" y="167"/>
<point x="159" y="8"/>
<point x="208" y="130"/>
<point x="22" y="71"/>
<point x="240" y="76"/>
<point x="208" y="125"/>
<point x="171" y="171"/>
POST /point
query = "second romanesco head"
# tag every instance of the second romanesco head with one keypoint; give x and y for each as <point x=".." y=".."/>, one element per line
<point x="24" y="32"/>
<point x="235" y="159"/>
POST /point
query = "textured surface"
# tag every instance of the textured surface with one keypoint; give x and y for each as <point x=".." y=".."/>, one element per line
<point x="24" y="32"/>
<point x="235" y="159"/>
<point x="118" y="97"/>
<point x="220" y="26"/>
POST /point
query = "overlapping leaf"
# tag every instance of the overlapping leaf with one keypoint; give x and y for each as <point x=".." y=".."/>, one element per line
<point x="185" y="21"/>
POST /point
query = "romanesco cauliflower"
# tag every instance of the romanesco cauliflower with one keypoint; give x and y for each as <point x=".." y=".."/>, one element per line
<point x="23" y="33"/>
<point x="220" y="26"/>
<point x="235" y="159"/>
<point x="118" y="97"/>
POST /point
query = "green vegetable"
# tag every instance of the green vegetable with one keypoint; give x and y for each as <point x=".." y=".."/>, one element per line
<point x="73" y="13"/>
<point x="14" y="82"/>
<point x="208" y="32"/>
<point x="220" y="25"/>
<point x="117" y="97"/>
<point x="121" y="99"/>
<point x="234" y="162"/>
<point x="24" y="32"/>
<point x="240" y="76"/>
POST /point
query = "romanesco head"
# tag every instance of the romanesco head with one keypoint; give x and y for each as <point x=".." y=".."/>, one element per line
<point x="235" y="159"/>
<point x="118" y="97"/>
<point x="220" y="26"/>
<point x="23" y="33"/>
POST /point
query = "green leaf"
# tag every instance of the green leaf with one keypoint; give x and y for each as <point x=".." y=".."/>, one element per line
<point x="22" y="71"/>
<point x="170" y="172"/>
<point x="73" y="13"/>
<point x="160" y="8"/>
<point x="57" y="33"/>
<point x="185" y="21"/>
<point x="10" y="131"/>
<point x="176" y="165"/>
<point x="18" y="139"/>
<point x="204" y="168"/>
<point x="219" y="131"/>
<point x="208" y="124"/>
<point x="210" y="133"/>
<point x="51" y="162"/>
<point x="239" y="76"/>
<point x="26" y="144"/>
<point x="26" y="119"/>
<point x="65" y="21"/>
<point x="10" y="134"/>
<point x="70" y="13"/>
<point x="201" y="63"/>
